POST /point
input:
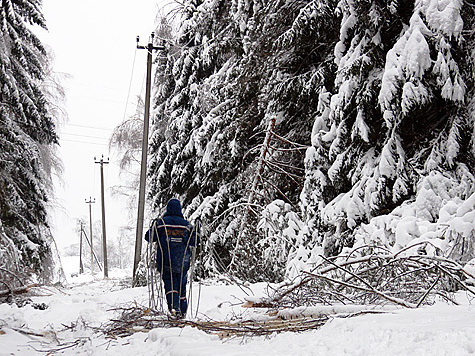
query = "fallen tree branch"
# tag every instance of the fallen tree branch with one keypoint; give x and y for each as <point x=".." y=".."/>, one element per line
<point x="397" y="301"/>
<point x="12" y="274"/>
<point x="140" y="319"/>
<point x="30" y="332"/>
<point x="62" y="346"/>
<point x="408" y="281"/>
<point x="15" y="291"/>
<point x="6" y="292"/>
<point x="428" y="291"/>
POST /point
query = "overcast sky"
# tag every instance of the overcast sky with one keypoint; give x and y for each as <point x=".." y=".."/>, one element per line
<point x="94" y="42"/>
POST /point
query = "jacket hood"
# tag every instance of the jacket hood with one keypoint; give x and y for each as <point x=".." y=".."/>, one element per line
<point x="174" y="208"/>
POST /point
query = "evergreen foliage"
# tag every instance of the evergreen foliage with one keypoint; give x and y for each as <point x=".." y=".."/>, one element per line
<point x="381" y="92"/>
<point x="396" y="110"/>
<point x="238" y="65"/>
<point x="27" y="131"/>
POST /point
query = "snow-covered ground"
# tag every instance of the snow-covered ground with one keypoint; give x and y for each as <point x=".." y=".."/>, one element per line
<point x="73" y="312"/>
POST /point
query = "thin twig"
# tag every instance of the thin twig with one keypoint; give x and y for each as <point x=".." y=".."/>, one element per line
<point x="427" y="292"/>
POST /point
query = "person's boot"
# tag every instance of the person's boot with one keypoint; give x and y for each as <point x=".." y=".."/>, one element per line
<point x="176" y="314"/>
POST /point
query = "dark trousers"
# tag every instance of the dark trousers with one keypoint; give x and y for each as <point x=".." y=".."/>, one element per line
<point x="175" y="290"/>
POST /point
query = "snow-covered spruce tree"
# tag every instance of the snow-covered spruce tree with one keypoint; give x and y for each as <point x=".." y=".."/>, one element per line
<point x="27" y="132"/>
<point x="240" y="64"/>
<point x="396" y="127"/>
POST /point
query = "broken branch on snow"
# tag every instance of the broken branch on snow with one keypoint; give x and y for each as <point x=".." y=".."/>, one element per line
<point x="408" y="281"/>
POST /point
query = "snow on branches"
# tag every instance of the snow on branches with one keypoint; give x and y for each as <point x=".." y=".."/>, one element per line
<point x="370" y="275"/>
<point x="384" y="85"/>
<point x="390" y="124"/>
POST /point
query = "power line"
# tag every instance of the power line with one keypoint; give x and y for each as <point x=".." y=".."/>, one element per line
<point x="89" y="98"/>
<point x="90" y="127"/>
<point x="130" y="84"/>
<point x="92" y="86"/>
<point x="101" y="138"/>
<point x="84" y="142"/>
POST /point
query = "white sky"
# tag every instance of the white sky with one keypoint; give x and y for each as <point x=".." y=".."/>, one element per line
<point x="94" y="42"/>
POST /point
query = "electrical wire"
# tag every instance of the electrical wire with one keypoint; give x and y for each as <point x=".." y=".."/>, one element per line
<point x="130" y="84"/>
<point x="84" y="142"/>
<point x="90" y="127"/>
<point x="79" y="135"/>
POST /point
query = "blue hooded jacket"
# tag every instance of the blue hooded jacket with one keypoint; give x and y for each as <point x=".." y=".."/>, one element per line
<point x="175" y="237"/>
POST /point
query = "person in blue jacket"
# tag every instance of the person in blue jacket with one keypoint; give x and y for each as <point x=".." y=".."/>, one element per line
<point x="175" y="237"/>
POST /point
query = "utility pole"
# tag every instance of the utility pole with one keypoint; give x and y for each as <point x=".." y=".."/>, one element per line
<point x="81" y="267"/>
<point x="143" y="172"/>
<point x="90" y="230"/>
<point x="104" y="243"/>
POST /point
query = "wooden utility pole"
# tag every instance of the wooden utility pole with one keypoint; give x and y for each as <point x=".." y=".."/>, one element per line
<point x="104" y="243"/>
<point x="143" y="171"/>
<point x="81" y="267"/>
<point x="90" y="230"/>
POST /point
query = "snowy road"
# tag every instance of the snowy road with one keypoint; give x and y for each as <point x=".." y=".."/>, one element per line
<point x="72" y="314"/>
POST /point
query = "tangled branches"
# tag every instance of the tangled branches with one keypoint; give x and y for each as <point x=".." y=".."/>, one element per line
<point x="408" y="281"/>
<point x="134" y="319"/>
<point x="11" y="279"/>
<point x="139" y="319"/>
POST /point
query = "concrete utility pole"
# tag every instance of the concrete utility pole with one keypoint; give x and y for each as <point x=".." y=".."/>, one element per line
<point x="90" y="230"/>
<point x="104" y="243"/>
<point x="81" y="267"/>
<point x="143" y="172"/>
